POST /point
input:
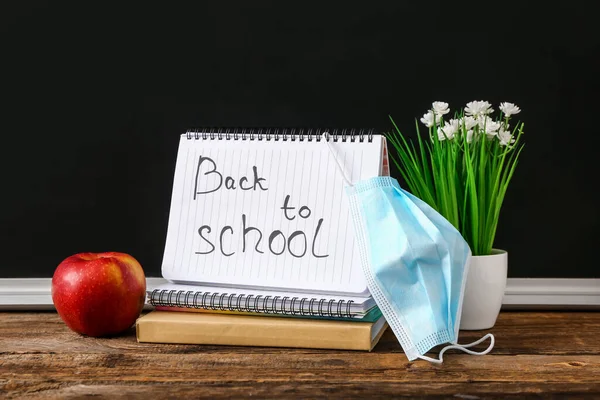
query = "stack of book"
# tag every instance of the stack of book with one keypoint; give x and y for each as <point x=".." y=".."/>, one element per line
<point x="260" y="248"/>
<point x="201" y="315"/>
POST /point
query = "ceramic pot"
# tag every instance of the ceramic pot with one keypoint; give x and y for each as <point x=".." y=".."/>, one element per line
<point x="484" y="290"/>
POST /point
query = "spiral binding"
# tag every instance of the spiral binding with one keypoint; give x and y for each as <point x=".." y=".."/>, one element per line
<point x="283" y="134"/>
<point x="251" y="303"/>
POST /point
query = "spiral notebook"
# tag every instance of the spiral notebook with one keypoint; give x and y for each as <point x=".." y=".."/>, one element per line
<point x="259" y="222"/>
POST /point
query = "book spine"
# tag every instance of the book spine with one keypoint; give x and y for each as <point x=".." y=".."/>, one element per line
<point x="357" y="336"/>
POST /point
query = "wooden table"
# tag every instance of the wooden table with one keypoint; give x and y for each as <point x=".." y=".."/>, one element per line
<point x="537" y="354"/>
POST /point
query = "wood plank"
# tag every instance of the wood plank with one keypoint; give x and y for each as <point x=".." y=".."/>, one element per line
<point x="516" y="333"/>
<point x="234" y="367"/>
<point x="270" y="390"/>
<point x="536" y="354"/>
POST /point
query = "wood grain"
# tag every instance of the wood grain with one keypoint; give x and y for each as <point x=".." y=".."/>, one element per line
<point x="545" y="354"/>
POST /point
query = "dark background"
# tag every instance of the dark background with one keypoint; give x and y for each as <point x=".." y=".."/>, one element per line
<point x="94" y="98"/>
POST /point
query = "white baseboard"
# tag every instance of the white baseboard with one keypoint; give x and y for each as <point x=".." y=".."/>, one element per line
<point x="521" y="293"/>
<point x="552" y="293"/>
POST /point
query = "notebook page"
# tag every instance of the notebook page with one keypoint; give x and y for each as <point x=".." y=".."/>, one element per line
<point x="266" y="214"/>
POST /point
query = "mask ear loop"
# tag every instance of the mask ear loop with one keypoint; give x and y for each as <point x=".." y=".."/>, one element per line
<point x="465" y="348"/>
<point x="325" y="137"/>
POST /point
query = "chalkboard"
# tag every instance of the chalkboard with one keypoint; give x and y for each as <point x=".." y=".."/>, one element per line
<point x="95" y="98"/>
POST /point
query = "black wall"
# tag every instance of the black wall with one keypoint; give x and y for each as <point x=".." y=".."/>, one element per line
<point x="94" y="98"/>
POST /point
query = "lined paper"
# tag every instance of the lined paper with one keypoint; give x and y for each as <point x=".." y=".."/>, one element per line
<point x="229" y="223"/>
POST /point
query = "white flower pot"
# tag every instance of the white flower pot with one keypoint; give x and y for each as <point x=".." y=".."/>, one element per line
<point x="484" y="290"/>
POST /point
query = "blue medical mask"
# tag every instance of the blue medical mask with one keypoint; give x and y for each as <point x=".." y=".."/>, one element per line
<point x="415" y="262"/>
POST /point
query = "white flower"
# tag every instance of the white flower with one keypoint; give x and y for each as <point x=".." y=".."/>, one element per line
<point x="488" y="125"/>
<point x="428" y="119"/>
<point x="468" y="122"/>
<point x="443" y="135"/>
<point x="440" y="108"/>
<point x="448" y="130"/>
<point x="476" y="108"/>
<point x="509" y="109"/>
<point x="469" y="135"/>
<point x="505" y="137"/>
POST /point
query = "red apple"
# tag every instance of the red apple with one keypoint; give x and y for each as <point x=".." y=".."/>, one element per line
<point x="99" y="294"/>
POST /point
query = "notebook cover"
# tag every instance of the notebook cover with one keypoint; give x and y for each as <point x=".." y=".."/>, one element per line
<point x="212" y="297"/>
<point x="241" y="330"/>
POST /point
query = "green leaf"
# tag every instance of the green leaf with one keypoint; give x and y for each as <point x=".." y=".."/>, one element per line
<point x="465" y="182"/>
